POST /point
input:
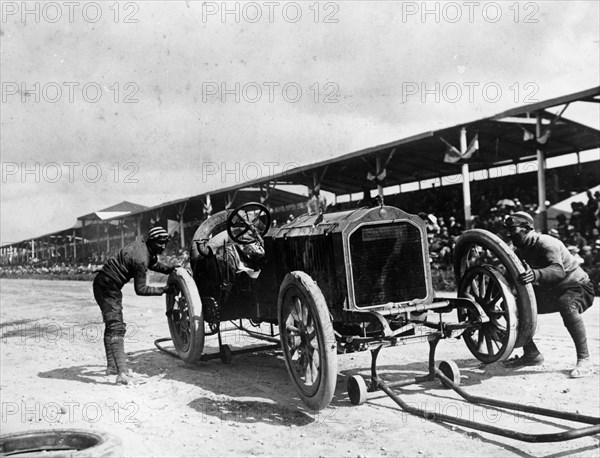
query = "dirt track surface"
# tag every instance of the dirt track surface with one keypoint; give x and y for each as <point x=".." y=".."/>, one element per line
<point x="52" y="363"/>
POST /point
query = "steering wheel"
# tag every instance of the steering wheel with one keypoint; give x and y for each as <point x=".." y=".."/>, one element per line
<point x="248" y="223"/>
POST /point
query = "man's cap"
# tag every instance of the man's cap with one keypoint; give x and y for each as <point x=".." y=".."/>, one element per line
<point x="519" y="218"/>
<point x="158" y="234"/>
<point x="554" y="232"/>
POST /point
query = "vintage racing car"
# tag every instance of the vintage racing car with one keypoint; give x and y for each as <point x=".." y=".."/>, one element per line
<point x="340" y="282"/>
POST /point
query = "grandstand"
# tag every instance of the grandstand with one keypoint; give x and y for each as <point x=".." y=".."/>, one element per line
<point x="517" y="154"/>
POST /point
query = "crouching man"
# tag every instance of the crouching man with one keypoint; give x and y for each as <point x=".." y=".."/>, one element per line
<point x="559" y="283"/>
<point x="133" y="261"/>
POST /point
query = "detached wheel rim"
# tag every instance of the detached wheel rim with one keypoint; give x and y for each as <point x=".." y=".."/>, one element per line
<point x="301" y="341"/>
<point x="494" y="340"/>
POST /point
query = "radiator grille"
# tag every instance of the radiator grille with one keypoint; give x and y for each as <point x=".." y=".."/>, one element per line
<point x="387" y="264"/>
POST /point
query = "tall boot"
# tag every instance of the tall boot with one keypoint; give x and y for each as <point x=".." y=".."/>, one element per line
<point x="111" y="365"/>
<point x="574" y="324"/>
<point x="118" y="347"/>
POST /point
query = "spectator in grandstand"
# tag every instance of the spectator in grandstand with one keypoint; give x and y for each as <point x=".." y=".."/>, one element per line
<point x="561" y="225"/>
<point x="482" y="206"/>
<point x="442" y="224"/>
<point x="133" y="261"/>
<point x="579" y="240"/>
<point x="431" y="223"/>
<point x="574" y="237"/>
<point x="559" y="283"/>
<point x="518" y="205"/>
<point x="596" y="252"/>
<point x="586" y="255"/>
<point x="591" y="212"/>
<point x="554" y="233"/>
<point x="577" y="219"/>
<point x="495" y="224"/>
<point x="454" y="227"/>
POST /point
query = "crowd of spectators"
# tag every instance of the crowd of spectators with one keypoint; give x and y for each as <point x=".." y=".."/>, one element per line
<point x="579" y="230"/>
<point x="68" y="271"/>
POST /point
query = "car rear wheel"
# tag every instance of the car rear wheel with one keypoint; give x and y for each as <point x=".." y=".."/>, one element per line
<point x="494" y="340"/>
<point x="307" y="339"/>
<point x="184" y="315"/>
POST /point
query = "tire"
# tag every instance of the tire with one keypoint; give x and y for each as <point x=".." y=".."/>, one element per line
<point x="450" y="370"/>
<point x="510" y="265"/>
<point x="212" y="225"/>
<point x="307" y="339"/>
<point x="76" y="443"/>
<point x="495" y="340"/>
<point x="184" y="315"/>
<point x="226" y="354"/>
<point x="357" y="390"/>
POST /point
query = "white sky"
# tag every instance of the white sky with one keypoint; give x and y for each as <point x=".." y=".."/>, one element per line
<point x="178" y="138"/>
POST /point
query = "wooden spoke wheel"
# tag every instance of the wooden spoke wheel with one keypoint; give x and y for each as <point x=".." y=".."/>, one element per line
<point x="307" y="339"/>
<point x="184" y="315"/>
<point x="494" y="340"/>
<point x="478" y="247"/>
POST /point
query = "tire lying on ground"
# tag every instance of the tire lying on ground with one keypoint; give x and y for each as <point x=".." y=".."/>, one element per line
<point x="76" y="443"/>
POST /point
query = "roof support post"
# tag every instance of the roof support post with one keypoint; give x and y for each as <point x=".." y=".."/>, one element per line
<point x="541" y="175"/>
<point x="180" y="210"/>
<point x="207" y="206"/>
<point x="97" y="244"/>
<point x="121" y="225"/>
<point x="138" y="227"/>
<point x="75" y="245"/>
<point x="83" y="240"/>
<point x="379" y="170"/>
<point x="466" y="184"/>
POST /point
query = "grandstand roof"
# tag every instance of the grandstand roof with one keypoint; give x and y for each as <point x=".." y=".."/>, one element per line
<point x="223" y="199"/>
<point x="506" y="138"/>
<point x="118" y="210"/>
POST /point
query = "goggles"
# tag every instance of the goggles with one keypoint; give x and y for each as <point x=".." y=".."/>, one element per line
<point x="517" y="221"/>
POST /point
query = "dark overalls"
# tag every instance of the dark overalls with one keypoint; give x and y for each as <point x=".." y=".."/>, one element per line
<point x="133" y="261"/>
<point x="561" y="285"/>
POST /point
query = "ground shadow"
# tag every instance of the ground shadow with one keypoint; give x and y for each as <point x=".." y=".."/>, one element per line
<point x="84" y="374"/>
<point x="17" y="329"/>
<point x="250" y="411"/>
